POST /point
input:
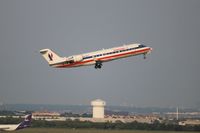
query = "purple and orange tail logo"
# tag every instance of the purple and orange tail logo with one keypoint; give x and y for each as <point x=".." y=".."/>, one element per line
<point x="50" y="57"/>
<point x="25" y="123"/>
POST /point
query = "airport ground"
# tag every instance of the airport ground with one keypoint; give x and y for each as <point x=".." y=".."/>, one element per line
<point x="63" y="130"/>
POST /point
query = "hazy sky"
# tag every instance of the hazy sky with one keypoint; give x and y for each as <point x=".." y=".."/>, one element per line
<point x="170" y="75"/>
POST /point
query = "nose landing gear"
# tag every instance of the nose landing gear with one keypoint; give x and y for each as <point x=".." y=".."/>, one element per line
<point x="145" y="55"/>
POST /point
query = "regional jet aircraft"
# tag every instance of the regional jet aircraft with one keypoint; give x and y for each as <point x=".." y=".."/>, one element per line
<point x="94" y="58"/>
<point x="12" y="127"/>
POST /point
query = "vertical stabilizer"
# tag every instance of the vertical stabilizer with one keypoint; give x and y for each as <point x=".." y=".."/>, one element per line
<point x="50" y="56"/>
<point x="26" y="123"/>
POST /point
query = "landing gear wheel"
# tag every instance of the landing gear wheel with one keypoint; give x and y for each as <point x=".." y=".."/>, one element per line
<point x="98" y="64"/>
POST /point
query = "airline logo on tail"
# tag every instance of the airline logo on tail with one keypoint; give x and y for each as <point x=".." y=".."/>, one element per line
<point x="26" y="123"/>
<point x="50" y="56"/>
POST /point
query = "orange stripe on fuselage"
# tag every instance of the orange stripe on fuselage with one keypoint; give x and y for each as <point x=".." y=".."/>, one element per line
<point x="107" y="58"/>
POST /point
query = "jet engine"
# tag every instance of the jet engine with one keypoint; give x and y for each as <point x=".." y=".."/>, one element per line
<point x="75" y="58"/>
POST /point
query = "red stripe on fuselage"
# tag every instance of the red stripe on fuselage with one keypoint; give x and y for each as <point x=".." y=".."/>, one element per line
<point x="107" y="58"/>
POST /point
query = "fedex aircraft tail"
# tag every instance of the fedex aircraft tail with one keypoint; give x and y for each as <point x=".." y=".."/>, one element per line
<point x="50" y="56"/>
<point x="25" y="123"/>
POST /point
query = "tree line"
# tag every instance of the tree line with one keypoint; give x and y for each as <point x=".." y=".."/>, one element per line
<point x="76" y="124"/>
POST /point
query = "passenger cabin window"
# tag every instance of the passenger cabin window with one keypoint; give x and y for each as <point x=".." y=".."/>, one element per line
<point x="87" y="57"/>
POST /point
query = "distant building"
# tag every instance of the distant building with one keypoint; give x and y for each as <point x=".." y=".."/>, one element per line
<point x="45" y="114"/>
<point x="125" y="119"/>
<point x="98" y="108"/>
<point x="189" y="122"/>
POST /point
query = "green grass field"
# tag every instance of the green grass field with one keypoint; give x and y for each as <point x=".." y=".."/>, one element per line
<point x="63" y="130"/>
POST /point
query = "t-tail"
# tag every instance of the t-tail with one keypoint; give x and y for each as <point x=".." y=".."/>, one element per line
<point x="51" y="57"/>
<point x="26" y="123"/>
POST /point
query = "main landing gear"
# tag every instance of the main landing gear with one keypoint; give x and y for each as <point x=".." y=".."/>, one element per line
<point x="98" y="64"/>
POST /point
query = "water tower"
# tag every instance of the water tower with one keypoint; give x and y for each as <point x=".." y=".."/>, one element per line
<point x="98" y="108"/>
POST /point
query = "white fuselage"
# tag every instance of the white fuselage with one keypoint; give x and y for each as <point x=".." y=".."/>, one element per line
<point x="10" y="127"/>
<point x="104" y="55"/>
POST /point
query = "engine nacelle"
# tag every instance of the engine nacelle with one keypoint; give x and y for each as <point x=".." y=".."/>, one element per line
<point x="75" y="58"/>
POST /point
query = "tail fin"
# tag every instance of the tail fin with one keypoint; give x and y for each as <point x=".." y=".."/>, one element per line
<point x="50" y="56"/>
<point x="26" y="122"/>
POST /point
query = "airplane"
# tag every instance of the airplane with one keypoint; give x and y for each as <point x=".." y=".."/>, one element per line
<point x="12" y="127"/>
<point x="94" y="58"/>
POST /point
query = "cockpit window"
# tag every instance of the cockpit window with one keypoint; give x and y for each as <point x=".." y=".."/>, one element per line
<point x="141" y="46"/>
